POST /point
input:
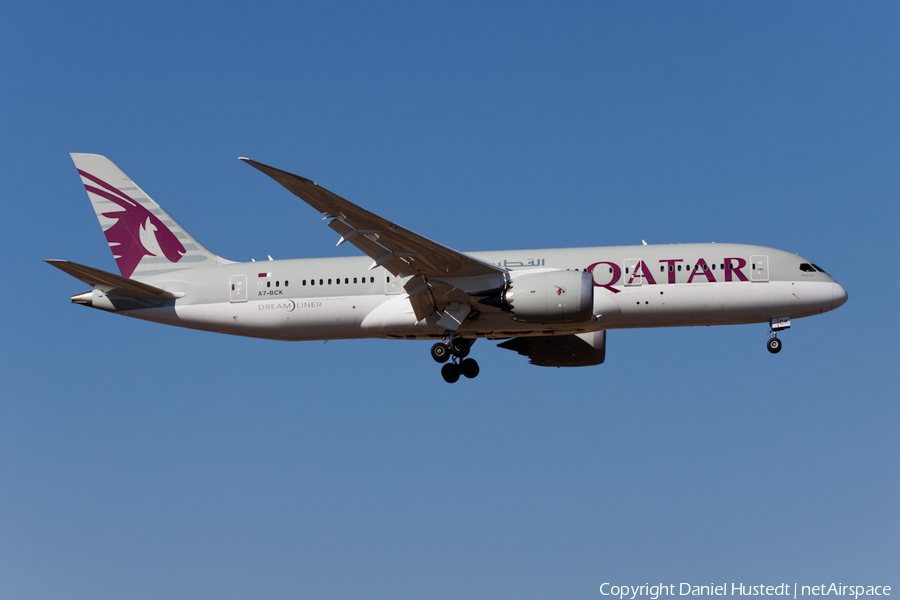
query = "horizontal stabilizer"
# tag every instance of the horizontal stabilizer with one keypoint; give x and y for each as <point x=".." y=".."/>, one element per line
<point x="109" y="283"/>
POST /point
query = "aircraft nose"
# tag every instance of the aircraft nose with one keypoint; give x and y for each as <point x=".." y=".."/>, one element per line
<point x="838" y="295"/>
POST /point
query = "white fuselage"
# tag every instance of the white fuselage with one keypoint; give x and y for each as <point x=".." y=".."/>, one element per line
<point x="634" y="286"/>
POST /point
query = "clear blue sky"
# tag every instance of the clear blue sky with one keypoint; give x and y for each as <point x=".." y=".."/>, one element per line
<point x="142" y="461"/>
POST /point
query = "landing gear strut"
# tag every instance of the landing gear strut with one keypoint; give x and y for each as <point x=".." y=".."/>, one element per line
<point x="456" y="350"/>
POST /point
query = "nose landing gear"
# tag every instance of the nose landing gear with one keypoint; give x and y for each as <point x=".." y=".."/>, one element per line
<point x="775" y="325"/>
<point x="456" y="350"/>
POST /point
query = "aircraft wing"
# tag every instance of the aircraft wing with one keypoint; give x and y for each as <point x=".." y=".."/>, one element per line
<point x="399" y="250"/>
<point x="579" y="350"/>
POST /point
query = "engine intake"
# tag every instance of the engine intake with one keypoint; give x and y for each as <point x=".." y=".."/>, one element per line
<point x="549" y="297"/>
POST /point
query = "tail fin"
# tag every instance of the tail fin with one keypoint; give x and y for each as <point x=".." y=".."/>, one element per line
<point x="143" y="238"/>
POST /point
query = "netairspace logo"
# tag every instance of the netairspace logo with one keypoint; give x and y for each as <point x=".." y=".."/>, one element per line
<point x="654" y="592"/>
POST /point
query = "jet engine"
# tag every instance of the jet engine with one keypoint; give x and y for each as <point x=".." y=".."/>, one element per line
<point x="549" y="297"/>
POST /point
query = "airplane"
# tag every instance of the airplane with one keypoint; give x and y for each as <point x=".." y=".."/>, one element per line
<point x="553" y="306"/>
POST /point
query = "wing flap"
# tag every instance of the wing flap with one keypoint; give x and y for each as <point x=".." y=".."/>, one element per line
<point x="367" y="241"/>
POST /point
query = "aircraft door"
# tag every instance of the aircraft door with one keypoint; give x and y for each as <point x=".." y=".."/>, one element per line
<point x="759" y="268"/>
<point x="238" y="288"/>
<point x="392" y="284"/>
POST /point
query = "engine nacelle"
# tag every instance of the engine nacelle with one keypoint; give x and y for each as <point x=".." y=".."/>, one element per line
<point x="549" y="297"/>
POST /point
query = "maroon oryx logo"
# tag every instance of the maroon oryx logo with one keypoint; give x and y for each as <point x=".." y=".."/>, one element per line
<point x="137" y="232"/>
<point x="559" y="291"/>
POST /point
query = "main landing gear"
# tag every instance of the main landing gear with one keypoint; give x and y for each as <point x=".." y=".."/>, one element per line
<point x="455" y="350"/>
<point x="776" y="325"/>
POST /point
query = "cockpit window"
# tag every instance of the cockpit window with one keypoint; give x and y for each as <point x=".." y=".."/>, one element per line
<point x="811" y="268"/>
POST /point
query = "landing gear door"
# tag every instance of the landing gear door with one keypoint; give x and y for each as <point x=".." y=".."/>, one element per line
<point x="759" y="268"/>
<point x="238" y="290"/>
<point x="632" y="271"/>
